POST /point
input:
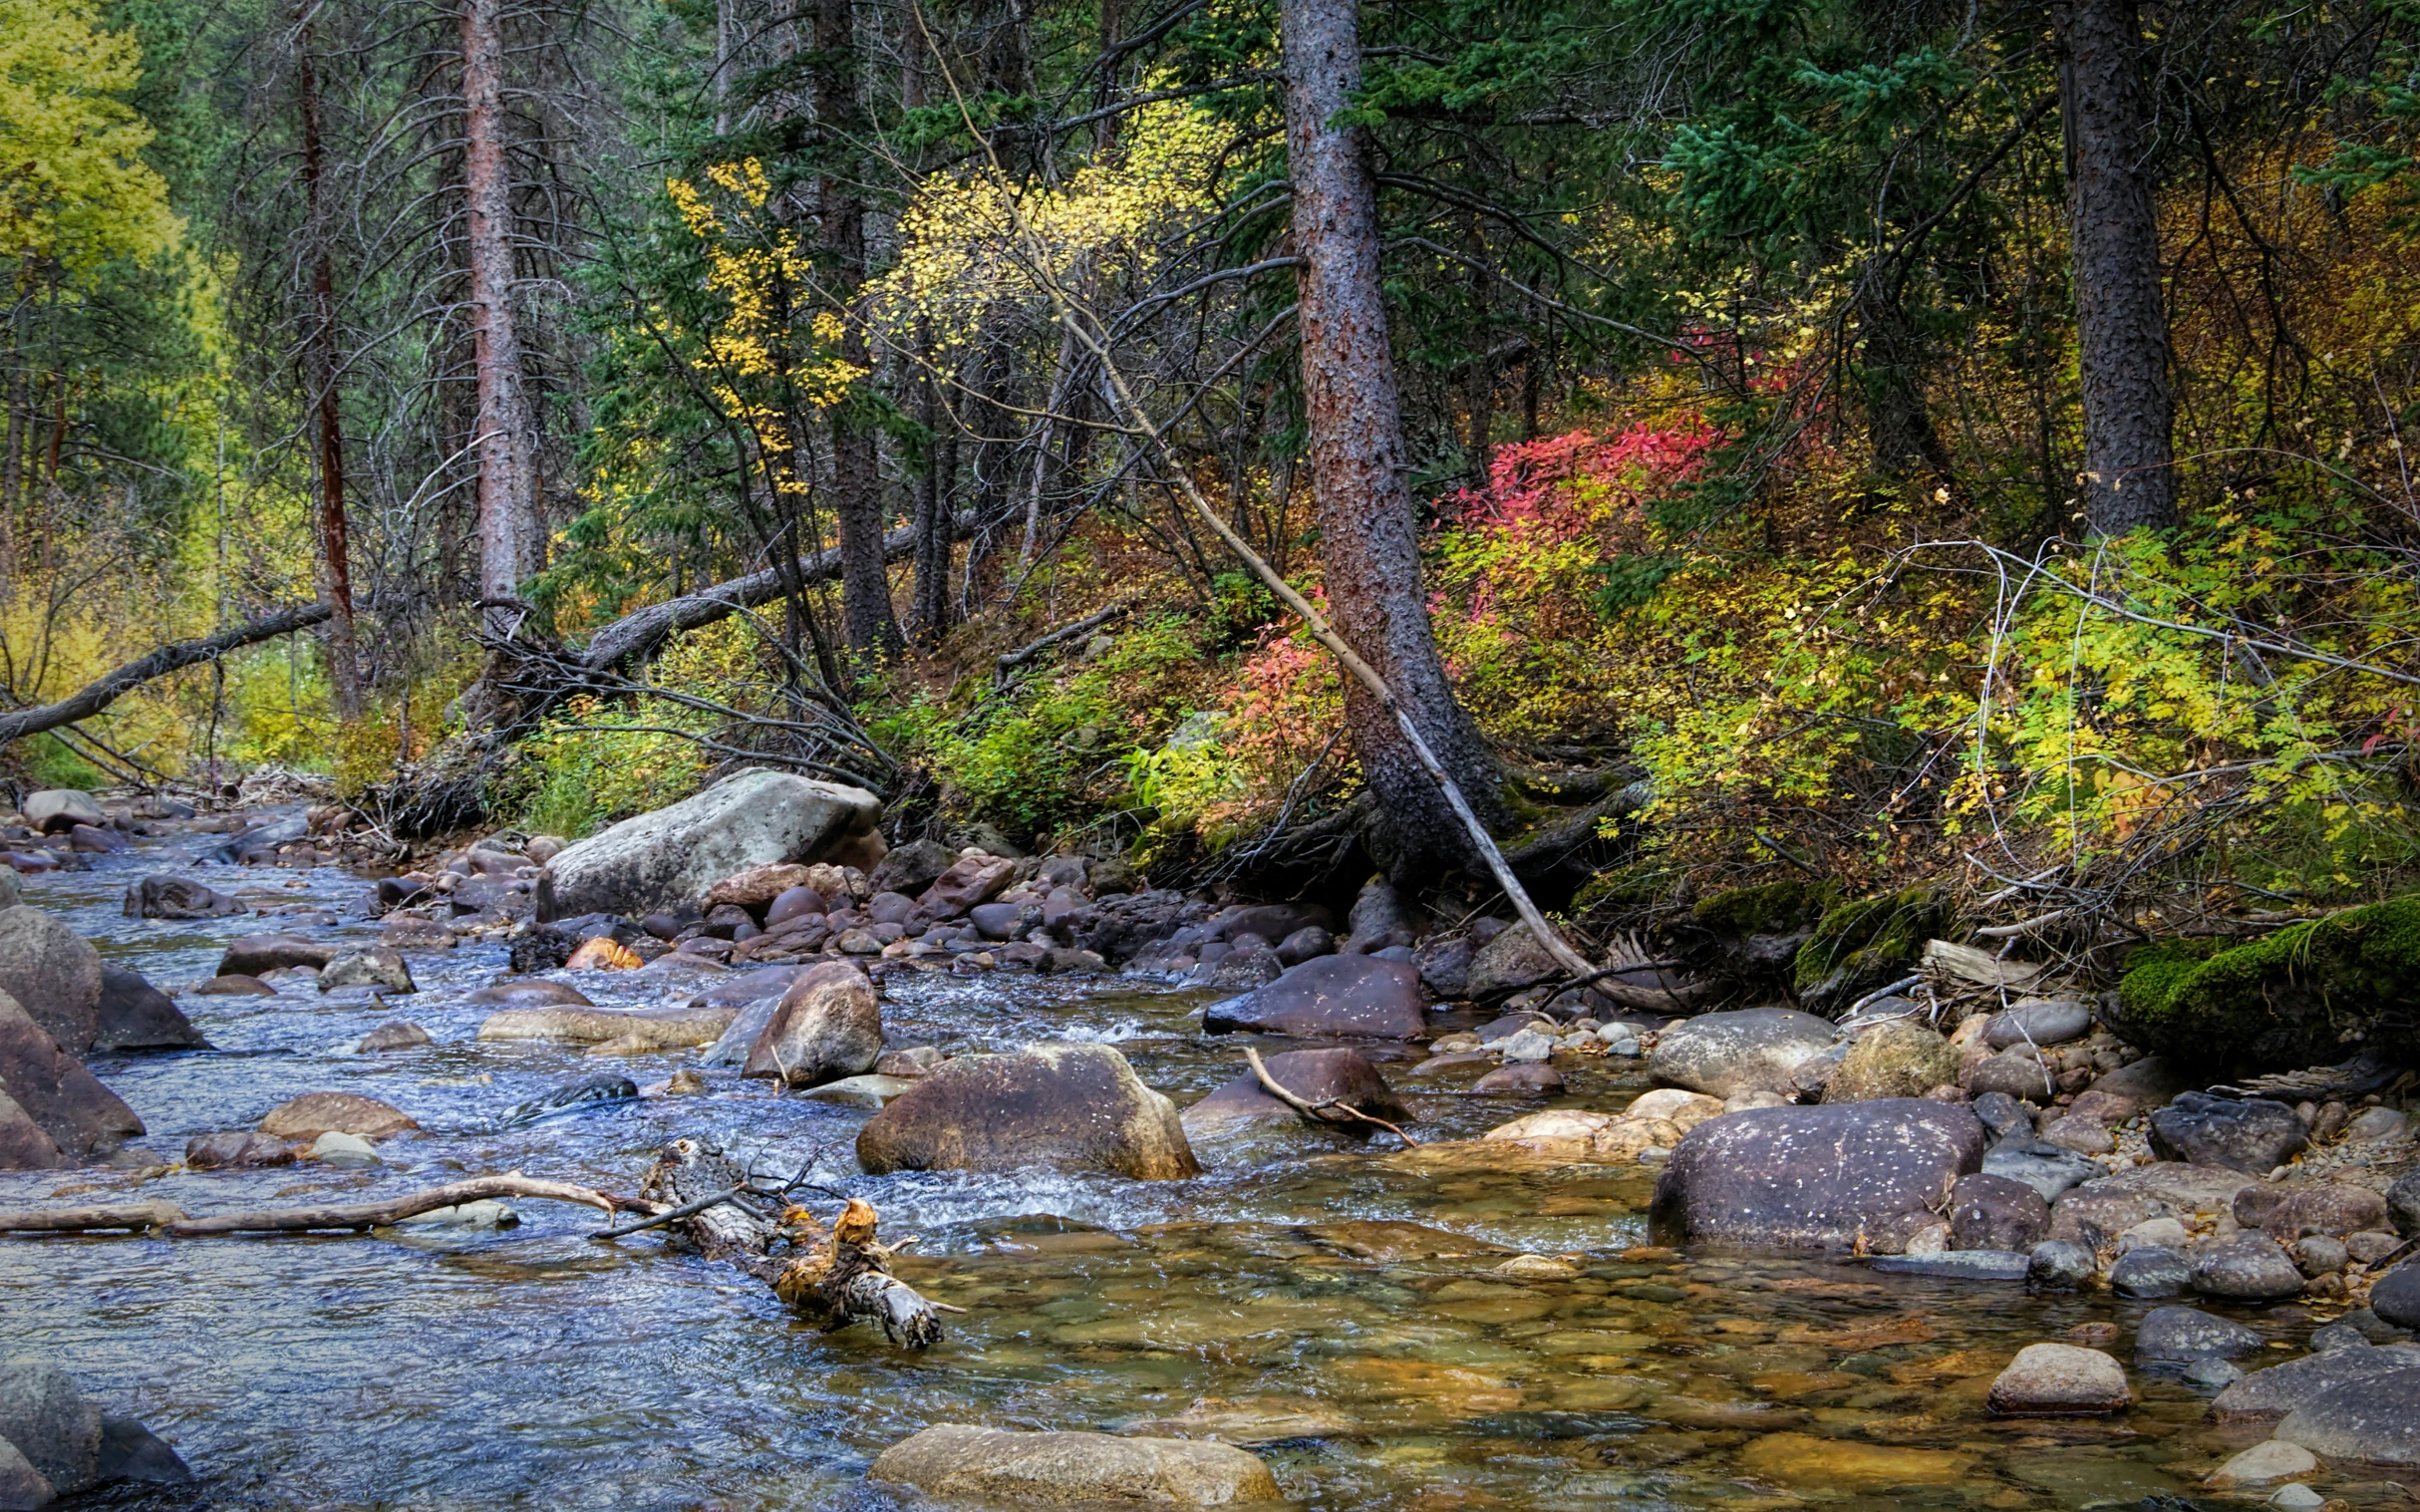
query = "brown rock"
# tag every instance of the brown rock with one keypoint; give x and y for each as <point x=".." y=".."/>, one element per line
<point x="957" y="1461"/>
<point x="2060" y="1381"/>
<point x="755" y="889"/>
<point x="1315" y="1076"/>
<point x="1895" y="1060"/>
<point x="250" y="954"/>
<point x="241" y="1147"/>
<point x="53" y="973"/>
<point x="969" y="881"/>
<point x="316" y="1114"/>
<point x="827" y="1025"/>
<point x="1068" y="1107"/>
<point x="54" y="1091"/>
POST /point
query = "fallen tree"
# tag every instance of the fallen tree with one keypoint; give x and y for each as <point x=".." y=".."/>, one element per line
<point x="167" y="1218"/>
<point x="97" y="695"/>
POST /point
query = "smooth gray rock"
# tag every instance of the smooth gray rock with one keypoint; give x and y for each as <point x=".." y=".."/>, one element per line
<point x="2403" y="1204"/>
<point x="1509" y="962"/>
<point x="2278" y="1390"/>
<point x="1963" y="1265"/>
<point x="2373" y="1421"/>
<point x="377" y="966"/>
<point x="957" y="1461"/>
<point x="2018" y="1073"/>
<point x="2184" y="1334"/>
<point x="1988" y="1212"/>
<point x="1345" y="997"/>
<point x="2151" y="1273"/>
<point x="2250" y="1269"/>
<point x="1747" y="1049"/>
<point x="756" y="818"/>
<point x="2211" y="1374"/>
<point x="48" y="1419"/>
<point x="166" y="897"/>
<point x="56" y="810"/>
<point x="2336" y="1336"/>
<point x="2046" y="1168"/>
<point x="2059" y="1265"/>
<point x="2252" y="1136"/>
<point x="2042" y="1022"/>
<point x="2395" y="1296"/>
<point x="1816" y="1177"/>
<point x="53" y="973"/>
<point x="129" y="1451"/>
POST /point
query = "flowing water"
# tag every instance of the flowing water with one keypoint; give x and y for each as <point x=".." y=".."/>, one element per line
<point x="1342" y="1295"/>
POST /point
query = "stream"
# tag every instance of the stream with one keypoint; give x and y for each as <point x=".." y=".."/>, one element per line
<point x="1307" y="1286"/>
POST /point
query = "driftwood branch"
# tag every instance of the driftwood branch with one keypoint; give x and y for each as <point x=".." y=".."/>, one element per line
<point x="95" y="695"/>
<point x="1064" y="633"/>
<point x="170" y="1221"/>
<point x="1334" y="1110"/>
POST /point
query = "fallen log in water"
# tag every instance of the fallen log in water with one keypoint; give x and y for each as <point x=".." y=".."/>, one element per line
<point x="834" y="1278"/>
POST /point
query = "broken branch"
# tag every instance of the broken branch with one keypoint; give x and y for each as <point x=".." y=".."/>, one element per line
<point x="1320" y="1112"/>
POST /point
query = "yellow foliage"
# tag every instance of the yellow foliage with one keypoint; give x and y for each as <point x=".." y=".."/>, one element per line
<point x="73" y="185"/>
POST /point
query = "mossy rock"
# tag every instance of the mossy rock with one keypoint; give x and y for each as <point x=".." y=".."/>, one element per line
<point x="2311" y="994"/>
<point x="1769" y="908"/>
<point x="1861" y="946"/>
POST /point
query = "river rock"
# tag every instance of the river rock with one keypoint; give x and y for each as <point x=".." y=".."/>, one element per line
<point x="872" y="1090"/>
<point x="1747" y="1049"/>
<point x="2403" y="1204"/>
<point x="1346" y="997"/>
<point x="347" y="1151"/>
<point x="2101" y="1209"/>
<point x="2039" y="1020"/>
<point x="254" y="955"/>
<point x="1816" y="1177"/>
<point x="397" y="1033"/>
<point x="2332" y="1208"/>
<point x="166" y="897"/>
<point x="674" y="854"/>
<point x="911" y="868"/>
<point x="132" y="1015"/>
<point x="1894" y="1059"/>
<point x="377" y="966"/>
<point x="959" y="1460"/>
<point x="23" y="1144"/>
<point x="237" y="1149"/>
<point x="969" y="881"/>
<point x="2184" y="1334"/>
<point x="2281" y="1388"/>
<point x="2047" y="1168"/>
<point x="1315" y="1076"/>
<point x="53" y="1092"/>
<point x="2058" y="1265"/>
<point x="1071" y="1106"/>
<point x="2375" y="1421"/>
<point x="2262" y="1463"/>
<point x="654" y="1028"/>
<point x="1511" y="961"/>
<point x="2059" y="1380"/>
<point x="129" y="1451"/>
<point x="51" y="1424"/>
<point x="1305" y="944"/>
<point x="1444" y="966"/>
<point x="1958" y="1265"/>
<point x="2251" y="1134"/>
<point x="2395" y="1296"/>
<point x="2151" y="1272"/>
<point x="316" y="1114"/>
<point x="2250" y="1269"/>
<point x="56" y="810"/>
<point x="2136" y="1088"/>
<point x="1536" y="1079"/>
<point x="755" y="889"/>
<point x="1996" y="1213"/>
<point x="826" y="1025"/>
<point x="2018" y="1073"/>
<point x="53" y="973"/>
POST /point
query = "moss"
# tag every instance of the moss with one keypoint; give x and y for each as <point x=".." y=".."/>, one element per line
<point x="2309" y="993"/>
<point x="1769" y="908"/>
<point x="1625" y="889"/>
<point x="1860" y="946"/>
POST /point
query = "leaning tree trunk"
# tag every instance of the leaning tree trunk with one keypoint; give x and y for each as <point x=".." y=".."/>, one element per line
<point x="2121" y="324"/>
<point x="320" y="369"/>
<point x="1367" y="545"/>
<point x="506" y="511"/>
<point x="866" y="583"/>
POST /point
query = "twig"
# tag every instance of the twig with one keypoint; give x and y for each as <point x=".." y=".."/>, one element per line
<point x="1318" y="1113"/>
<point x="684" y="1210"/>
<point x="1064" y="633"/>
<point x="354" y="1215"/>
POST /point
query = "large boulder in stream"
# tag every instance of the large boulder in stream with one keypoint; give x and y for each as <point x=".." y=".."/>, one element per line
<point x="1817" y="1177"/>
<point x="53" y="973"/>
<point x="1748" y="1050"/>
<point x="136" y="1016"/>
<point x="252" y="955"/>
<point x="955" y="1460"/>
<point x="674" y="854"/>
<point x="1316" y="1077"/>
<point x="315" y="1114"/>
<point x="56" y="810"/>
<point x="166" y="897"/>
<point x="827" y="1025"/>
<point x="1343" y="997"/>
<point x="1068" y="1107"/>
<point x="46" y="1094"/>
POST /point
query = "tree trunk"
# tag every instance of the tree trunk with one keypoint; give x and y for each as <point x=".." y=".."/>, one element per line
<point x="1889" y="370"/>
<point x="1368" y="543"/>
<point x="934" y="523"/>
<point x="506" y="514"/>
<point x="320" y="369"/>
<point x="2121" y="325"/>
<point x="866" y="585"/>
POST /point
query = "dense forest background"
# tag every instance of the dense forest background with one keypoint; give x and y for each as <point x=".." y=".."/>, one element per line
<point x="1843" y="441"/>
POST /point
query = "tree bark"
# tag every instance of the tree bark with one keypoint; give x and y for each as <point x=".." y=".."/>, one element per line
<point x="320" y="369"/>
<point x="1367" y="544"/>
<point x="2121" y="323"/>
<point x="1890" y="371"/>
<point x="506" y="514"/>
<point x="866" y="615"/>
<point x="935" y="530"/>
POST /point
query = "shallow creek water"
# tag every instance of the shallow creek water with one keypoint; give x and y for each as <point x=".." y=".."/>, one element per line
<point x="1337" y="1293"/>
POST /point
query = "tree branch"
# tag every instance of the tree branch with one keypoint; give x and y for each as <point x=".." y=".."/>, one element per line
<point x="94" y="697"/>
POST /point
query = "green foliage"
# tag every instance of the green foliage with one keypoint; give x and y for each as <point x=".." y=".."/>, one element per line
<point x="2310" y="992"/>
<point x="1860" y="946"/>
<point x="50" y="762"/>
